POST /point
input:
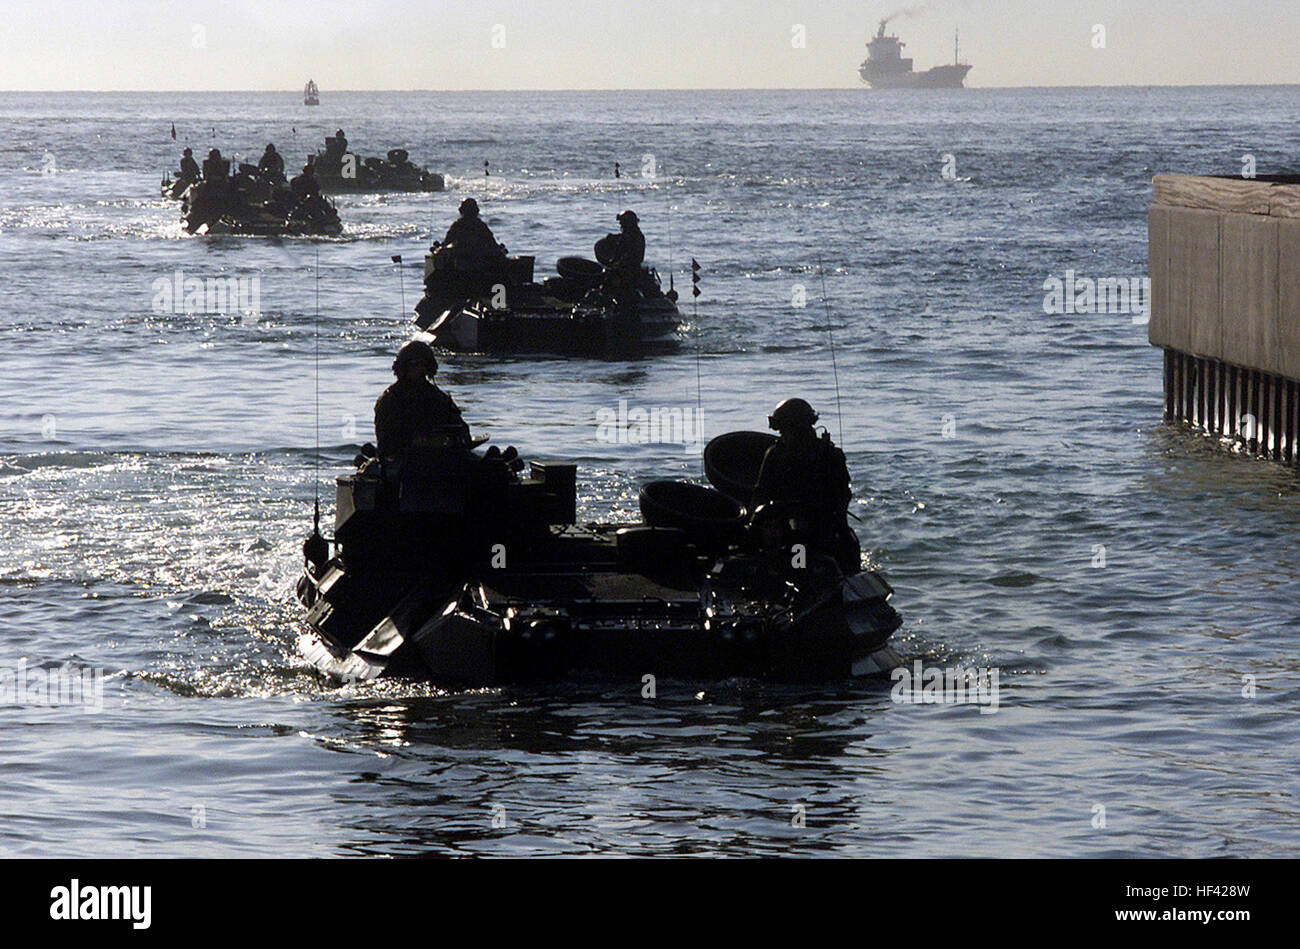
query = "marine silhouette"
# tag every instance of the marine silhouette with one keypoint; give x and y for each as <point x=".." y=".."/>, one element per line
<point x="803" y="489"/>
<point x="413" y="413"/>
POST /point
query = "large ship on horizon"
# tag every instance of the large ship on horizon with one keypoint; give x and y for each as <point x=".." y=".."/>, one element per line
<point x="886" y="68"/>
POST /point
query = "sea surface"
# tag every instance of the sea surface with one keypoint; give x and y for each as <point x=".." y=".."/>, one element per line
<point x="882" y="254"/>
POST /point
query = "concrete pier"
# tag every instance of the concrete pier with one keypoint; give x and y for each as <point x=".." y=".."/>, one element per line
<point x="1225" y="306"/>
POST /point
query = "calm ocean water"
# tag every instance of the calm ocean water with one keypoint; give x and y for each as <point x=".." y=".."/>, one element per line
<point x="1012" y="474"/>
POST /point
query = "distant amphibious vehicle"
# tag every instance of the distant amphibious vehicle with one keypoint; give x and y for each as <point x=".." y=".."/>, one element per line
<point x="886" y="68"/>
<point x="249" y="204"/>
<point x="500" y="309"/>
<point x="340" y="170"/>
<point x="458" y="570"/>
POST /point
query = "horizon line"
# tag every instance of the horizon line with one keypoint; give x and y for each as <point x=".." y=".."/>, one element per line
<point x="864" y="88"/>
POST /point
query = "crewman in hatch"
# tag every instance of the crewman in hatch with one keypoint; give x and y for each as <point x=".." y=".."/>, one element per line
<point x="271" y="163"/>
<point x="806" y="478"/>
<point x="189" y="167"/>
<point x="306" y="185"/>
<point x="470" y="241"/>
<point x="629" y="254"/>
<point x="413" y="413"/>
<point x="631" y="247"/>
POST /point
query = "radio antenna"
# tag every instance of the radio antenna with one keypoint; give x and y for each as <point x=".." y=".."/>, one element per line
<point x="401" y="283"/>
<point x="316" y="549"/>
<point x="830" y="336"/>
<point x="668" y="196"/>
<point x="695" y="318"/>
<point x="316" y="341"/>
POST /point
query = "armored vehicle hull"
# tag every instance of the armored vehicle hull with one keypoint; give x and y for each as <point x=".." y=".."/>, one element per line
<point x="474" y="579"/>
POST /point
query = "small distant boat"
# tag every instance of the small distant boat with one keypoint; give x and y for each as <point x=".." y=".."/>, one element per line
<point x="311" y="93"/>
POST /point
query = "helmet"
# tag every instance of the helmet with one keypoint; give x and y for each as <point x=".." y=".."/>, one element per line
<point x="416" y="351"/>
<point x="628" y="217"/>
<point x="469" y="207"/>
<point x="792" y="413"/>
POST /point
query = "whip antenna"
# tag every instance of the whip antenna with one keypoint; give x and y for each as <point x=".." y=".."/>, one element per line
<point x="401" y="284"/>
<point x="668" y="196"/>
<point x="695" y="318"/>
<point x="316" y="340"/>
<point x="316" y="549"/>
<point x="830" y="336"/>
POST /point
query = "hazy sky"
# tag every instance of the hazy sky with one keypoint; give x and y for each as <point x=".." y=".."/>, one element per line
<point x="638" y="44"/>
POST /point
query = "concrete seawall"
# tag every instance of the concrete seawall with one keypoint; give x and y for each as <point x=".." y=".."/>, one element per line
<point x="1225" y="306"/>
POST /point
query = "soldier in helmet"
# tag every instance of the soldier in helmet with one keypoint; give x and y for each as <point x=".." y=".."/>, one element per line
<point x="625" y="265"/>
<point x="414" y="413"/>
<point x="470" y="241"/>
<point x="306" y="185"/>
<point x="271" y="164"/>
<point x="216" y="168"/>
<point x="189" y="167"/>
<point x="214" y="196"/>
<point x="809" y="475"/>
<point x="631" y="249"/>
